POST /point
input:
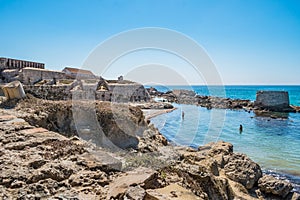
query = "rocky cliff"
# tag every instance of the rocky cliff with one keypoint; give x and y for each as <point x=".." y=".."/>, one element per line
<point x="42" y="158"/>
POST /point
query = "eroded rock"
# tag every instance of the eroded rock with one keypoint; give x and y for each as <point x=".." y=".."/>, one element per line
<point x="242" y="169"/>
<point x="270" y="185"/>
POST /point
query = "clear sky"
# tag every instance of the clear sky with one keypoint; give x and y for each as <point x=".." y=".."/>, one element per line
<point x="250" y="41"/>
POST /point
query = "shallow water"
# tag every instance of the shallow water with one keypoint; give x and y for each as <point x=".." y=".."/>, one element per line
<point x="273" y="143"/>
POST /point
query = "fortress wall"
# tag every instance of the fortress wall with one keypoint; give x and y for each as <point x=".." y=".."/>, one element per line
<point x="128" y="92"/>
<point x="272" y="99"/>
<point x="31" y="75"/>
<point x="117" y="93"/>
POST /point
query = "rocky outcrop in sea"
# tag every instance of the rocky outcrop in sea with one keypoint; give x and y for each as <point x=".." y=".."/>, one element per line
<point x="209" y="102"/>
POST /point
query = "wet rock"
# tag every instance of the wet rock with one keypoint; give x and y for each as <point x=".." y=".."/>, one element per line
<point x="270" y="185"/>
<point x="242" y="169"/>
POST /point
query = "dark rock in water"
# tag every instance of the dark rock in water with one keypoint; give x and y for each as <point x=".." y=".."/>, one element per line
<point x="242" y="169"/>
<point x="277" y="101"/>
<point x="270" y="185"/>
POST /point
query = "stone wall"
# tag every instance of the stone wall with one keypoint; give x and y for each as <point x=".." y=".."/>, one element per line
<point x="272" y="100"/>
<point x="77" y="90"/>
<point x="32" y="75"/>
<point x="9" y="75"/>
<point x="128" y="92"/>
<point x="9" y="63"/>
<point x="50" y="92"/>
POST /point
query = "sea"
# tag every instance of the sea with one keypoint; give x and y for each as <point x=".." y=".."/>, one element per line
<point x="273" y="143"/>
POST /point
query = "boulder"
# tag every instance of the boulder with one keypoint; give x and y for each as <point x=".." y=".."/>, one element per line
<point x="220" y="147"/>
<point x="270" y="185"/>
<point x="121" y="184"/>
<point x="135" y="193"/>
<point x="242" y="169"/>
<point x="203" y="183"/>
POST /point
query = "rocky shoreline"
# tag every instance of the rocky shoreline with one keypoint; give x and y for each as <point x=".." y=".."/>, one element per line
<point x="43" y="157"/>
<point x="209" y="102"/>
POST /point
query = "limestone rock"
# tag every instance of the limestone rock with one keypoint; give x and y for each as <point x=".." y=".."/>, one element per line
<point x="171" y="192"/>
<point x="121" y="184"/>
<point x="270" y="185"/>
<point x="203" y="183"/>
<point x="135" y="193"/>
<point x="220" y="147"/>
<point x="242" y="169"/>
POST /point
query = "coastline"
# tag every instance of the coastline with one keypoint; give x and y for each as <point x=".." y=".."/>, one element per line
<point x="151" y="113"/>
<point x="46" y="155"/>
<point x="281" y="174"/>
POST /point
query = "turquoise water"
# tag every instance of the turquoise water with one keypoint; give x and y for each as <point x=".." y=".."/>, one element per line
<point x="273" y="143"/>
<point x="237" y="92"/>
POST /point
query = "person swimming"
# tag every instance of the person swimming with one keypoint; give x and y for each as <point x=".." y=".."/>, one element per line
<point x="182" y="115"/>
<point x="241" y="128"/>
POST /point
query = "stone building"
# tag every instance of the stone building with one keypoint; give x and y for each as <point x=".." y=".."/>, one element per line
<point x="69" y="83"/>
<point x="9" y="63"/>
<point x="32" y="75"/>
<point x="76" y="73"/>
<point x="10" y="68"/>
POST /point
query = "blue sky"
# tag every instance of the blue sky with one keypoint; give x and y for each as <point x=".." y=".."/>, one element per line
<point x="251" y="42"/>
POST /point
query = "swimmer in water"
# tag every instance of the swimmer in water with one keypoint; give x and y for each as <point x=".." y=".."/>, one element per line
<point x="182" y="115"/>
<point x="241" y="128"/>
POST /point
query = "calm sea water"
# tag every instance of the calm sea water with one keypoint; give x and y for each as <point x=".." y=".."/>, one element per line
<point x="273" y="143"/>
<point x="237" y="92"/>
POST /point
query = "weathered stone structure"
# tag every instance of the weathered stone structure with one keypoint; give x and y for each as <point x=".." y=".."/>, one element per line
<point x="69" y="83"/>
<point x="76" y="73"/>
<point x="10" y="68"/>
<point x="32" y="75"/>
<point x="9" y="63"/>
<point x="273" y="100"/>
<point x="89" y="89"/>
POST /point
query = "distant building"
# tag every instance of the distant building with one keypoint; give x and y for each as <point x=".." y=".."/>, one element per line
<point x="76" y="73"/>
<point x="32" y="75"/>
<point x="9" y="63"/>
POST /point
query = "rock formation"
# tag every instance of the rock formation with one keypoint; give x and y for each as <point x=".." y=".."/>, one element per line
<point x="42" y="158"/>
<point x="267" y="101"/>
<point x="277" y="101"/>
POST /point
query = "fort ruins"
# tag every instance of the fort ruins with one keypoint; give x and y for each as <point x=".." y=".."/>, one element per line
<point x="69" y="83"/>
